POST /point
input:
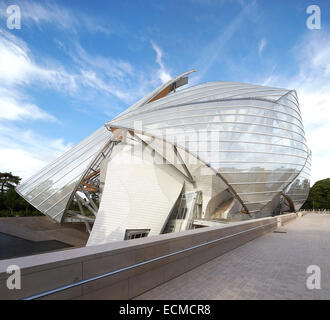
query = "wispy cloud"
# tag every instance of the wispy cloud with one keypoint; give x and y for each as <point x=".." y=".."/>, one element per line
<point x="262" y="45"/>
<point x="216" y="47"/>
<point x="52" y="14"/>
<point x="82" y="77"/>
<point x="13" y="106"/>
<point x="17" y="66"/>
<point x="17" y="70"/>
<point x="163" y="74"/>
<point x="23" y="152"/>
<point x="117" y="68"/>
<point x="105" y="75"/>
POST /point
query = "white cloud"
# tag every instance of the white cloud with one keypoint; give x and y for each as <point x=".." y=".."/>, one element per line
<point x="163" y="74"/>
<point x="116" y="68"/>
<point x="22" y="150"/>
<point x="107" y="75"/>
<point x="14" y="106"/>
<point x="18" y="68"/>
<point x="10" y="110"/>
<point x="262" y="45"/>
<point x="313" y="87"/>
<point x="12" y="160"/>
<point x="312" y="83"/>
<point x="24" y="153"/>
<point x="104" y="74"/>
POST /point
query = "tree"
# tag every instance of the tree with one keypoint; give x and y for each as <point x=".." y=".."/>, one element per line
<point x="11" y="200"/>
<point x="7" y="181"/>
<point x="319" y="195"/>
<point x="11" y="203"/>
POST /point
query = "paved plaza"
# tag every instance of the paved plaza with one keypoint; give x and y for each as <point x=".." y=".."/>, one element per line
<point x="273" y="266"/>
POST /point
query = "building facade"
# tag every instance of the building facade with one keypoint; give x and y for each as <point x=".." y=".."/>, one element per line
<point x="178" y="159"/>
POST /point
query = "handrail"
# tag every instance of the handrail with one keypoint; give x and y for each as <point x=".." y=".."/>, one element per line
<point x="78" y="283"/>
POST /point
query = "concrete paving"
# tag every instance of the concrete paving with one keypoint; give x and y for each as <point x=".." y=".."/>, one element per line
<point x="273" y="266"/>
<point x="42" y="228"/>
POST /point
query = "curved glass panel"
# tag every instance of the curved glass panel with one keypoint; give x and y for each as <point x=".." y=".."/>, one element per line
<point x="212" y="91"/>
<point x="298" y="190"/>
<point x="50" y="189"/>
<point x="252" y="135"/>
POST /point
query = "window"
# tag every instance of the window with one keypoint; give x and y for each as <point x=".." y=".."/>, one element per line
<point x="137" y="233"/>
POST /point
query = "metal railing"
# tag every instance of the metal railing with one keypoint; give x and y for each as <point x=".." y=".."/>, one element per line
<point x="81" y="282"/>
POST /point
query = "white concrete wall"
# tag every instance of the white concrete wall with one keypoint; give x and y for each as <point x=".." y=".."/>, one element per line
<point x="138" y="194"/>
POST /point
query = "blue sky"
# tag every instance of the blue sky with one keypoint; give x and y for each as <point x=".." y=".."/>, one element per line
<point x="74" y="65"/>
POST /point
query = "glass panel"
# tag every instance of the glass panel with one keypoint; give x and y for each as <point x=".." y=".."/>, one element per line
<point x="298" y="190"/>
<point x="245" y="140"/>
<point x="51" y="188"/>
<point x="244" y="107"/>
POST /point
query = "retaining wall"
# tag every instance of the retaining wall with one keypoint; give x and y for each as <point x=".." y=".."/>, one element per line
<point x="48" y="271"/>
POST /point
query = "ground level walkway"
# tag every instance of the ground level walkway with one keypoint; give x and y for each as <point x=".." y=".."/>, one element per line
<point x="273" y="266"/>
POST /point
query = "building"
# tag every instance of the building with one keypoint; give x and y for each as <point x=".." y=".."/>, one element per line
<point x="181" y="159"/>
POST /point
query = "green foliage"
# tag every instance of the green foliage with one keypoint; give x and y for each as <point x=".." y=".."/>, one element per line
<point x="11" y="203"/>
<point x="7" y="181"/>
<point x="75" y="207"/>
<point x="19" y="213"/>
<point x="319" y="196"/>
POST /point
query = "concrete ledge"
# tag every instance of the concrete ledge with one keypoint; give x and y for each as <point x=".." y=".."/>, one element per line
<point x="51" y="270"/>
